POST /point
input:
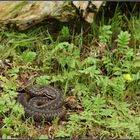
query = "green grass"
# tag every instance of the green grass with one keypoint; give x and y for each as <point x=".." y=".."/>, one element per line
<point x="103" y="74"/>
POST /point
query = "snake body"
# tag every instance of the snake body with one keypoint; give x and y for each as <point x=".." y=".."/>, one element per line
<point x="42" y="102"/>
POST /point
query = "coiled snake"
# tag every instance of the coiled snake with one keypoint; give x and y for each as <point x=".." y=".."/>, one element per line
<point x="42" y="102"/>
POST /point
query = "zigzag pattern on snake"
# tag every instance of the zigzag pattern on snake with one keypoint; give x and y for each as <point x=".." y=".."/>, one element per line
<point x="44" y="102"/>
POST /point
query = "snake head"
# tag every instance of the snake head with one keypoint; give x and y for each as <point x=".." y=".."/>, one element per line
<point x="50" y="93"/>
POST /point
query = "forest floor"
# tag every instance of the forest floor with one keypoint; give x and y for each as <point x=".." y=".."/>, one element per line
<point x="98" y="72"/>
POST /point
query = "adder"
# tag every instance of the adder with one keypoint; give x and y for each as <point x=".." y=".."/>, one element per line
<point x="42" y="102"/>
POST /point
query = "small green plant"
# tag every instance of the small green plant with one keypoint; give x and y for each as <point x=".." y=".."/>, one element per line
<point x="105" y="34"/>
<point x="123" y="40"/>
<point x="65" y="33"/>
<point x="43" y="80"/>
<point x="66" y="54"/>
<point x="28" y="56"/>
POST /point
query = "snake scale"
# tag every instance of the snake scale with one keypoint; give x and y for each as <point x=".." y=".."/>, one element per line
<point x="42" y="102"/>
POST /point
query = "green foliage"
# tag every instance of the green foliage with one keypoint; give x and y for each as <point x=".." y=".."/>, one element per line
<point x="43" y="137"/>
<point x="123" y="39"/>
<point x="66" y="55"/>
<point x="134" y="26"/>
<point x="28" y="56"/>
<point x="43" y="80"/>
<point x="12" y="123"/>
<point x="65" y="33"/>
<point x="112" y="116"/>
<point x="105" y="34"/>
<point x="62" y="134"/>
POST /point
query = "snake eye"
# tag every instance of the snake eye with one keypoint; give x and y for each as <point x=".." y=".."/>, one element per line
<point x="39" y="103"/>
